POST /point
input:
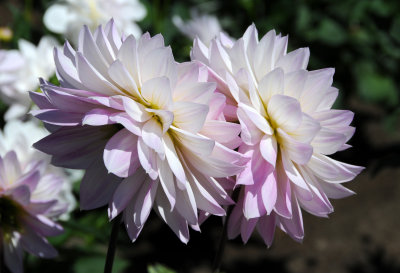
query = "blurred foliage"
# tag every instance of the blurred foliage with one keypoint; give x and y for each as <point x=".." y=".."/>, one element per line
<point x="360" y="38"/>
<point x="158" y="268"/>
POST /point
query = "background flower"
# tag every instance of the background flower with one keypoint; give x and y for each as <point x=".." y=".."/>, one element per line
<point x="10" y="62"/>
<point x="68" y="17"/>
<point x="19" y="137"/>
<point x="28" y="203"/>
<point x="21" y="72"/>
<point x="203" y="26"/>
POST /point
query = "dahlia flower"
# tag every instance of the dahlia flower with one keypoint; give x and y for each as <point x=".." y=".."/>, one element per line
<point x="19" y="137"/>
<point x="67" y="17"/>
<point x="21" y="70"/>
<point x="27" y="201"/>
<point x="203" y="26"/>
<point x="288" y="129"/>
<point x="143" y="128"/>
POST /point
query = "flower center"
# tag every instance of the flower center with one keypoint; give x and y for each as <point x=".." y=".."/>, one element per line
<point x="94" y="13"/>
<point x="9" y="214"/>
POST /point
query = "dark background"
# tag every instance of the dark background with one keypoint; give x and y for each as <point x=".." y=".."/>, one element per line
<point x="361" y="39"/>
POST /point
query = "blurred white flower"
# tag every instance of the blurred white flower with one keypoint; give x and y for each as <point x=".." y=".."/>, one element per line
<point x="205" y="27"/>
<point x="20" y="71"/>
<point x="10" y="62"/>
<point x="19" y="137"/>
<point x="67" y="17"/>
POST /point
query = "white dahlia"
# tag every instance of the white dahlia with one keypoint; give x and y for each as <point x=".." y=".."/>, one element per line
<point x="67" y="17"/>
<point x="21" y="70"/>
<point x="288" y="129"/>
<point x="126" y="108"/>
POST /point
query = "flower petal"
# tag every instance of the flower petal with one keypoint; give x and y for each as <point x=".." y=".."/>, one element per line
<point x="121" y="155"/>
<point x="125" y="192"/>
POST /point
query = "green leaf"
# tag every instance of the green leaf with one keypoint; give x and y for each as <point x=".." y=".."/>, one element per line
<point x="373" y="86"/>
<point x="303" y="18"/>
<point x="158" y="268"/>
<point x="380" y="8"/>
<point x="395" y="29"/>
<point x="330" y="32"/>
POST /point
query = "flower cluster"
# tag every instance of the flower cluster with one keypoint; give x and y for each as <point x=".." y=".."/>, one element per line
<point x="178" y="138"/>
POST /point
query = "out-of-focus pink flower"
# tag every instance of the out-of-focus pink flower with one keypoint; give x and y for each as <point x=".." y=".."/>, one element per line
<point x="19" y="137"/>
<point x="27" y="200"/>
<point x="288" y="129"/>
<point x="19" y="73"/>
<point x="143" y="127"/>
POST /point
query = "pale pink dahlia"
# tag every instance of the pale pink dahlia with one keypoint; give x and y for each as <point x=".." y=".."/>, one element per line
<point x="19" y="137"/>
<point x="27" y="202"/>
<point x="141" y="126"/>
<point x="288" y="130"/>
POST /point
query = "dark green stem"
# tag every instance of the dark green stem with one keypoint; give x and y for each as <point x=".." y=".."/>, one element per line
<point x="112" y="244"/>
<point x="223" y="239"/>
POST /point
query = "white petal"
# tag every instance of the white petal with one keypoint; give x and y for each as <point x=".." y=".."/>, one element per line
<point x="174" y="161"/>
<point x="135" y="110"/>
<point x="128" y="56"/>
<point x="148" y="159"/>
<point x="152" y="135"/>
<point x="120" y="154"/>
<point x="294" y="176"/>
<point x="221" y="131"/>
<point x="194" y="142"/>
<point x="158" y="63"/>
<point x="271" y="84"/>
<point x="157" y="92"/>
<point x="316" y="88"/>
<point x="263" y="58"/>
<point x="250" y="134"/>
<point x="294" y="83"/>
<point x="166" y="117"/>
<point x="189" y="116"/>
<point x="328" y="141"/>
<point x="125" y="192"/>
<point x="167" y="181"/>
<point x="269" y="149"/>
<point x="259" y="121"/>
<point x="285" y="112"/>
<point x="89" y="49"/>
<point x="92" y="79"/>
<point x="297" y="151"/>
<point x="295" y="60"/>
<point x="308" y="129"/>
<point x="144" y="201"/>
<point x="121" y="76"/>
